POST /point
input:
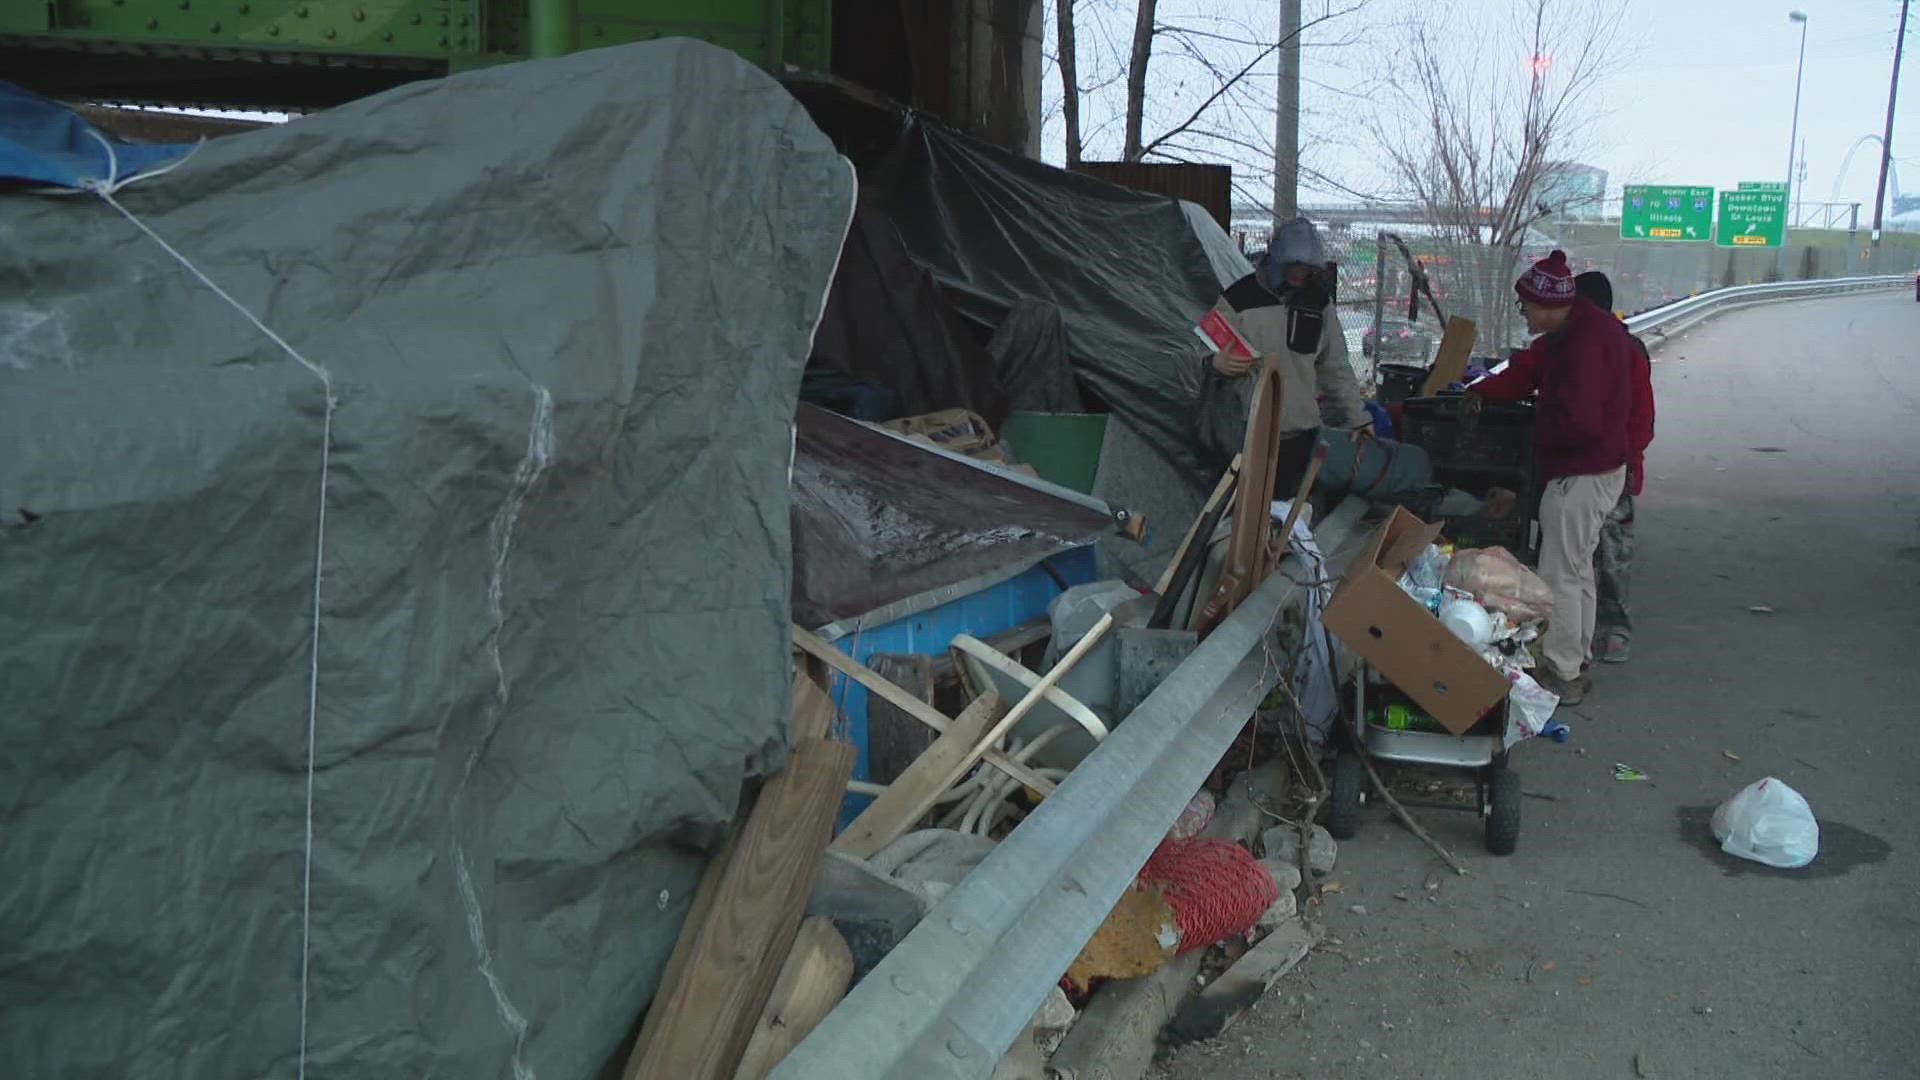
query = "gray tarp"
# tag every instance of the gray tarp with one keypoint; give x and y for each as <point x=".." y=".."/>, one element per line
<point x="565" y="307"/>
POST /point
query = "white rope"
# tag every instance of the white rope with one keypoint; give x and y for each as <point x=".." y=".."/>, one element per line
<point x="105" y="190"/>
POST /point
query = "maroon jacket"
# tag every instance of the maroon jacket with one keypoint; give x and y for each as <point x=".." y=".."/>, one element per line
<point x="1585" y="381"/>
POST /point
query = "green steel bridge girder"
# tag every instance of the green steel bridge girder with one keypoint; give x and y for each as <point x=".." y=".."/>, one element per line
<point x="452" y="33"/>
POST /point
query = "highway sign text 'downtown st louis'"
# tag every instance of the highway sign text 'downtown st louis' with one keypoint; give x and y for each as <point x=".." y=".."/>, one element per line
<point x="1752" y="218"/>
<point x="1667" y="212"/>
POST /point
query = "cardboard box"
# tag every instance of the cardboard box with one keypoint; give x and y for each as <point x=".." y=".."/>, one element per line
<point x="1374" y="617"/>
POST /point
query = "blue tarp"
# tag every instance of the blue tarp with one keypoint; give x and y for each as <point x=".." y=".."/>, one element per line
<point x="44" y="142"/>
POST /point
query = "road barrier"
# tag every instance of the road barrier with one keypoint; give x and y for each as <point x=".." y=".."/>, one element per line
<point x="1670" y="317"/>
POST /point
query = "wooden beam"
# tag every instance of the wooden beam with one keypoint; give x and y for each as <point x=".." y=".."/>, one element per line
<point x="1026" y="704"/>
<point x="899" y="698"/>
<point x="812" y="981"/>
<point x="703" y="1017"/>
<point x="915" y="791"/>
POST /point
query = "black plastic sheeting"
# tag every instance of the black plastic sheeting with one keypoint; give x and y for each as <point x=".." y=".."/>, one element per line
<point x="1130" y="273"/>
<point x="880" y="522"/>
<point x="888" y="323"/>
<point x="565" y="307"/>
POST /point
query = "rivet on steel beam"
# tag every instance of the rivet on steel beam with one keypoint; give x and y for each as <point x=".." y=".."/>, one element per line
<point x="388" y="36"/>
<point x="329" y="33"/>
<point x="214" y="29"/>
<point x="119" y="3"/>
<point x="599" y="31"/>
<point x="273" y="31"/>
<point x="463" y="22"/>
<point x="186" y="5"/>
<point x="443" y="41"/>
<point x="153" y="24"/>
<point x="246" y="9"/>
<point x="416" y="19"/>
<point x="301" y="11"/>
<point x="443" y="19"/>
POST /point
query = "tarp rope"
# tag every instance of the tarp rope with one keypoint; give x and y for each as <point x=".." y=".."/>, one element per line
<point x="105" y="190"/>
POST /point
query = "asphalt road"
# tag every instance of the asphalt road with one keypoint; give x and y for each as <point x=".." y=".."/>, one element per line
<point x="1785" y="474"/>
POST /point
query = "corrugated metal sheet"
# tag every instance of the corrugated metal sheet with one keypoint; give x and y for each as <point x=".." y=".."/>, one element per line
<point x="1208" y="186"/>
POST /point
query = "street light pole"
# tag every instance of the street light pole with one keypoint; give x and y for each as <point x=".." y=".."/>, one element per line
<point x="1793" y="135"/>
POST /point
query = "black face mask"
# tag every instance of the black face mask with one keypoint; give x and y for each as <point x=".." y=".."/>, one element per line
<point x="1306" y="315"/>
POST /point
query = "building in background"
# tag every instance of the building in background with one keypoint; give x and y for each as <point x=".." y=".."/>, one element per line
<point x="1572" y="191"/>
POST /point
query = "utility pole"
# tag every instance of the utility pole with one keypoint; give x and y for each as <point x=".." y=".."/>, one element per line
<point x="1286" y="120"/>
<point x="1886" y="140"/>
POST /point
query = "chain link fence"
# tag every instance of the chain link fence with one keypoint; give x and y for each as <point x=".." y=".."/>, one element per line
<point x="1376" y="294"/>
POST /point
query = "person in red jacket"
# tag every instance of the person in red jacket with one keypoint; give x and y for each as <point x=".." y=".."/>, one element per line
<point x="1582" y="371"/>
<point x="1613" y="558"/>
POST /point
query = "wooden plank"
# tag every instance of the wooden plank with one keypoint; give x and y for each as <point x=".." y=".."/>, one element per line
<point x="912" y="706"/>
<point x="1241" y="986"/>
<point x="1213" y="500"/>
<point x="894" y="739"/>
<point x="913" y="794"/>
<point x="701" y="1020"/>
<point x="1025" y="705"/>
<point x="1456" y="352"/>
<point x="812" y="981"/>
<point x="812" y="714"/>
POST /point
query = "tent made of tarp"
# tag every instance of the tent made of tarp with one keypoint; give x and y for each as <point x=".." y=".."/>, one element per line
<point x="372" y="712"/>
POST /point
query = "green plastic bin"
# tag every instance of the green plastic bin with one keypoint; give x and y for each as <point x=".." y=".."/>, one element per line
<point x="1064" y="448"/>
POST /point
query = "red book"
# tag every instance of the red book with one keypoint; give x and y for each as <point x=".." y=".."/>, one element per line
<point x="1219" y="334"/>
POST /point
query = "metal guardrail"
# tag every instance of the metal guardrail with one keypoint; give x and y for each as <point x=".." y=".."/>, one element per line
<point x="1697" y="307"/>
<point x="950" y="999"/>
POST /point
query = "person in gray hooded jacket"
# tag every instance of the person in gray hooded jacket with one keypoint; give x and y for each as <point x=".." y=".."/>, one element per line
<point x="1285" y="311"/>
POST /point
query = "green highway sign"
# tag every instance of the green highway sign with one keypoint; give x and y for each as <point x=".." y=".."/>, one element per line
<point x="1763" y="185"/>
<point x="1756" y="217"/>
<point x="1667" y="212"/>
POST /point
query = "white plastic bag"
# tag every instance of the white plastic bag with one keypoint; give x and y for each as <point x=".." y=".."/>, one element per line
<point x="1770" y="823"/>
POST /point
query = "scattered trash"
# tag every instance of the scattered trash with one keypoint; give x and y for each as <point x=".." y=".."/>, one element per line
<point x="1402" y="895"/>
<point x="1623" y="771"/>
<point x="1768" y="449"/>
<point x="1358" y="909"/>
<point x="1502" y="583"/>
<point x="1768" y="822"/>
<point x="1730" y="755"/>
<point x="1762" y="609"/>
<point x="1640" y="1067"/>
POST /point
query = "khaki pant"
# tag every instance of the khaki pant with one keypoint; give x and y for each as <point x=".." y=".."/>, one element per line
<point x="1572" y="511"/>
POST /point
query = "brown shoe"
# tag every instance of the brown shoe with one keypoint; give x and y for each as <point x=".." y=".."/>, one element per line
<point x="1570" y="693"/>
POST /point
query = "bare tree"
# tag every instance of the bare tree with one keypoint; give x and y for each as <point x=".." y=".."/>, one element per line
<point x="1468" y="133"/>
<point x="1069" y="61"/>
<point x="1137" y="76"/>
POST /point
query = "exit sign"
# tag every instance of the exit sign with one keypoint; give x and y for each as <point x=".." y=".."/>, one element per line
<point x="1667" y="212"/>
<point x="1755" y="217"/>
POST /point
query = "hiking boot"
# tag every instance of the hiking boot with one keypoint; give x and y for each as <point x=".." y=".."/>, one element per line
<point x="1612" y="648"/>
<point x="1570" y="693"/>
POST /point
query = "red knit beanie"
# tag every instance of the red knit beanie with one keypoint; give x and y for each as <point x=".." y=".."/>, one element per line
<point x="1548" y="282"/>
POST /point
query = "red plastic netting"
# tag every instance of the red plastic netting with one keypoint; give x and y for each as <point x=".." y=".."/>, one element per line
<point x="1215" y="888"/>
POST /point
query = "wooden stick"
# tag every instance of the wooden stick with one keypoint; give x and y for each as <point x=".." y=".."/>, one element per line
<point x="914" y="792"/>
<point x="1025" y="705"/>
<point x="1300" y="499"/>
<point x="899" y="698"/>
<point x="1219" y="492"/>
<point x="1407" y="819"/>
<point x="699" y="1024"/>
<point x="812" y="981"/>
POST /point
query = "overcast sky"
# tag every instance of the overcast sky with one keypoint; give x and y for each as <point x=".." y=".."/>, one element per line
<point x="1703" y="93"/>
